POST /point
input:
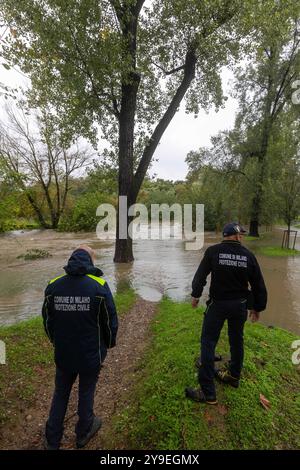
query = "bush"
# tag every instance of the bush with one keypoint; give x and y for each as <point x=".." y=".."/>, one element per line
<point x="83" y="216"/>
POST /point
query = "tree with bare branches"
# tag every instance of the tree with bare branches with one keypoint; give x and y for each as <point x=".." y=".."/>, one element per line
<point x="33" y="156"/>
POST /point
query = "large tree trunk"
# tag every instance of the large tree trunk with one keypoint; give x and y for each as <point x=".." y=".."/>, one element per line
<point x="123" y="246"/>
<point x="123" y="251"/>
<point x="253" y="228"/>
<point x="258" y="198"/>
<point x="130" y="184"/>
<point x="288" y="235"/>
<point x="130" y="83"/>
<point x="256" y="207"/>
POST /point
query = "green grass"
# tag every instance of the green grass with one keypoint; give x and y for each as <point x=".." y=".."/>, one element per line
<point x="29" y="361"/>
<point x="18" y="224"/>
<point x="156" y="415"/>
<point x="262" y="236"/>
<point x="277" y="251"/>
<point x="125" y="299"/>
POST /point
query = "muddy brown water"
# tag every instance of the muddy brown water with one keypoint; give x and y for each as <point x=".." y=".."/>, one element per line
<point x="161" y="267"/>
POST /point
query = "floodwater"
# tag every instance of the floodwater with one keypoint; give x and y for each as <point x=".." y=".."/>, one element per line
<point x="161" y="267"/>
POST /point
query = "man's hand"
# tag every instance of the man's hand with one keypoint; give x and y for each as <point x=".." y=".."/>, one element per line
<point x="195" y="302"/>
<point x="254" y="316"/>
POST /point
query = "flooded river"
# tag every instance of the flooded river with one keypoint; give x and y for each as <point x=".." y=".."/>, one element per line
<point x="161" y="267"/>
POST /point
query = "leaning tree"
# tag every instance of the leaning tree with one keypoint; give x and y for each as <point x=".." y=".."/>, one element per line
<point x="125" y="66"/>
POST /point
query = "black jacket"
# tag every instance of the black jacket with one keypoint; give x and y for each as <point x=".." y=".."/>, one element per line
<point x="79" y="315"/>
<point x="233" y="267"/>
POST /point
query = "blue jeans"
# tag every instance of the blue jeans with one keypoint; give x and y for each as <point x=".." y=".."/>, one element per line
<point x="217" y="311"/>
<point x="63" y="385"/>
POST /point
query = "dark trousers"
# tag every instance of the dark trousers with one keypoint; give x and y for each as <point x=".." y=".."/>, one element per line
<point x="217" y="311"/>
<point x="63" y="385"/>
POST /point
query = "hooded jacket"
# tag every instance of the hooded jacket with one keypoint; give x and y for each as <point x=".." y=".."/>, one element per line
<point x="233" y="267"/>
<point x="79" y="315"/>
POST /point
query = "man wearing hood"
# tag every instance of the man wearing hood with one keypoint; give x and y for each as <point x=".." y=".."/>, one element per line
<point x="81" y="321"/>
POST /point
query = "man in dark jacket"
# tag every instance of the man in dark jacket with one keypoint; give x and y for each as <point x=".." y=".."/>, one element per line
<point x="233" y="267"/>
<point x="81" y="321"/>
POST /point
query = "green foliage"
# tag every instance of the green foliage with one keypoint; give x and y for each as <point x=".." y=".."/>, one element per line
<point x="54" y="40"/>
<point x="18" y="224"/>
<point x="83" y="216"/>
<point x="156" y="415"/>
<point x="15" y="211"/>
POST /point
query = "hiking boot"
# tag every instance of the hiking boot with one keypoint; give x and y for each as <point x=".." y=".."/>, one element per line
<point x="223" y="375"/>
<point x="197" y="395"/>
<point x="47" y="446"/>
<point x="217" y="358"/>
<point x="97" y="423"/>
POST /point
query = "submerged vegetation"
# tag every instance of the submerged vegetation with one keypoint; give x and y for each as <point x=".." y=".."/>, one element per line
<point x="34" y="253"/>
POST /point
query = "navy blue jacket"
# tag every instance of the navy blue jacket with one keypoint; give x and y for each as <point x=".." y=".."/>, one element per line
<point x="233" y="267"/>
<point x="79" y="315"/>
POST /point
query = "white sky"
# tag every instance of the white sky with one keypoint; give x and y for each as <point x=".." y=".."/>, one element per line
<point x="185" y="133"/>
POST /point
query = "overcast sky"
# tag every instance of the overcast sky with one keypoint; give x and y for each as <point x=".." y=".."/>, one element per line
<point x="184" y="133"/>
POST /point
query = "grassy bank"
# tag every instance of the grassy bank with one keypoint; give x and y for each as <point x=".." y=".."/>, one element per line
<point x="277" y="251"/>
<point x="156" y="415"/>
<point x="30" y="360"/>
<point x="18" y="224"/>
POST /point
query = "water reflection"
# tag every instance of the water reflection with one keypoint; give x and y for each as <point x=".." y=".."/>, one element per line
<point x="161" y="267"/>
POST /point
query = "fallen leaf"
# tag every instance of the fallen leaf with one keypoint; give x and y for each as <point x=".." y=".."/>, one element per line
<point x="223" y="410"/>
<point x="264" y="402"/>
<point x="208" y="418"/>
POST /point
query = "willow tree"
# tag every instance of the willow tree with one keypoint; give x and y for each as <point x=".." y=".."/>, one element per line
<point x="126" y="65"/>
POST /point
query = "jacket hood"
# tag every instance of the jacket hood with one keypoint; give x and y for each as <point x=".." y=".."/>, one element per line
<point x="80" y="263"/>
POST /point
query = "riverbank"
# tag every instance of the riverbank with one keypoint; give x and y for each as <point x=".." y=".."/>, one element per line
<point x="156" y="415"/>
<point x="140" y="395"/>
<point x="278" y="251"/>
<point x="27" y="378"/>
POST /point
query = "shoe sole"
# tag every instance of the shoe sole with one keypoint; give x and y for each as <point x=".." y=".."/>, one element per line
<point x="206" y="402"/>
<point x="211" y="403"/>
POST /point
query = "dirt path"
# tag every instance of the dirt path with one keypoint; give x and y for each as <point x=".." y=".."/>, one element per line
<point x="115" y="378"/>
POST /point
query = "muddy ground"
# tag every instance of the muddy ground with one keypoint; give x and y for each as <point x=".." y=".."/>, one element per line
<point x="115" y="379"/>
